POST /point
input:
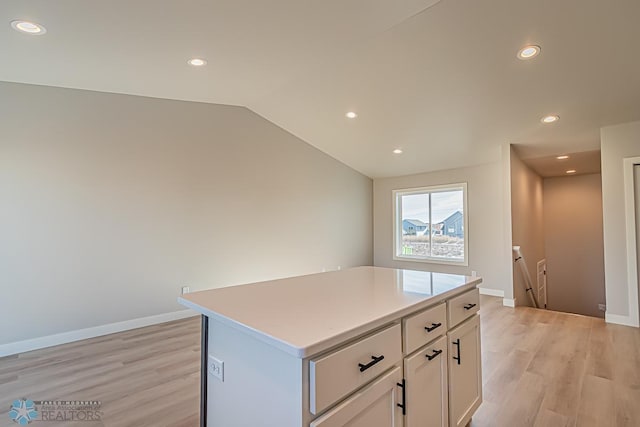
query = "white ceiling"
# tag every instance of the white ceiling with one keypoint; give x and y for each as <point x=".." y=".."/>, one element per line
<point x="439" y="79"/>
<point x="584" y="163"/>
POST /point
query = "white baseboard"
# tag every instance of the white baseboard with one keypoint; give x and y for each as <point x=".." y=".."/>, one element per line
<point x="96" y="331"/>
<point x="619" y="320"/>
<point x="491" y="292"/>
<point x="509" y="302"/>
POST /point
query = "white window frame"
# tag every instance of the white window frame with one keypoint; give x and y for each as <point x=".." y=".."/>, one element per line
<point x="397" y="223"/>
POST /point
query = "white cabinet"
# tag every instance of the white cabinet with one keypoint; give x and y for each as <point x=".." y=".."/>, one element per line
<point x="424" y="327"/>
<point x="413" y="364"/>
<point x="337" y="374"/>
<point x="462" y="307"/>
<point x="426" y="382"/>
<point x="374" y="406"/>
<point x="465" y="372"/>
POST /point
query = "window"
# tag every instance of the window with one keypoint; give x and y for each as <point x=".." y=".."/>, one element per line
<point x="430" y="224"/>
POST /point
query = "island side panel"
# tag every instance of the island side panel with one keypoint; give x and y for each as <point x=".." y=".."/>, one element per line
<point x="261" y="385"/>
<point x="204" y="350"/>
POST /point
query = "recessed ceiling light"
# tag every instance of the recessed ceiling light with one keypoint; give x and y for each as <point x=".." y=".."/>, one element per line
<point x="570" y="171"/>
<point x="197" y="62"/>
<point x="28" y="27"/>
<point x="550" y="119"/>
<point x="351" y="115"/>
<point x="528" y="52"/>
<point x="562" y="157"/>
<point x="397" y="151"/>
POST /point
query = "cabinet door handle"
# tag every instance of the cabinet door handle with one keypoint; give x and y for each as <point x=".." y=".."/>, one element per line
<point x="374" y="360"/>
<point x="469" y="306"/>
<point x="457" y="344"/>
<point x="435" y="354"/>
<point x="433" y="326"/>
<point x="403" y="405"/>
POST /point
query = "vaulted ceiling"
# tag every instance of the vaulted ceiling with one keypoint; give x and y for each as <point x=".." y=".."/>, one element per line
<point x="438" y="79"/>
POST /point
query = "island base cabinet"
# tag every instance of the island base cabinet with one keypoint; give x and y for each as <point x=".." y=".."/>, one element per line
<point x="395" y="360"/>
<point x="465" y="377"/>
<point x="376" y="405"/>
<point x="426" y="382"/>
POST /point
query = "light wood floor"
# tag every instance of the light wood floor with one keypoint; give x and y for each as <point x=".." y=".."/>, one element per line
<point x="144" y="377"/>
<point x="540" y="368"/>
<point x="543" y="368"/>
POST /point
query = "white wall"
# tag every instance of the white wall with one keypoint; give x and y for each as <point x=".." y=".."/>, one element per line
<point x="617" y="143"/>
<point x="507" y="243"/>
<point x="110" y="203"/>
<point x="485" y="233"/>
<point x="527" y="227"/>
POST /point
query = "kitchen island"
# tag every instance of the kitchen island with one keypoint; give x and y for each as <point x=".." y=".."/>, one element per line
<point x="367" y="346"/>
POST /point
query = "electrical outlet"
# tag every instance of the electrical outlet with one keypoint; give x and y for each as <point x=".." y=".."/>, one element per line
<point x="474" y="273"/>
<point x="602" y="307"/>
<point x="185" y="290"/>
<point x="216" y="368"/>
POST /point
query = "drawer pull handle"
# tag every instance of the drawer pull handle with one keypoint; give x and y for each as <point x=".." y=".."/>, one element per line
<point x="469" y="306"/>
<point x="457" y="343"/>
<point x="435" y="354"/>
<point x="374" y="360"/>
<point x="433" y="326"/>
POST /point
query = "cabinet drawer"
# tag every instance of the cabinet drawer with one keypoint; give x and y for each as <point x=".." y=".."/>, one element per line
<point x="463" y="306"/>
<point x="335" y="375"/>
<point x="424" y="327"/>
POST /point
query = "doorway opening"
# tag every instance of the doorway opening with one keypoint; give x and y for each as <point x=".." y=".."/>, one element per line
<point x="556" y="208"/>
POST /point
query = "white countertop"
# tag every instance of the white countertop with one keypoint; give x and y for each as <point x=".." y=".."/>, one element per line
<point x="306" y="315"/>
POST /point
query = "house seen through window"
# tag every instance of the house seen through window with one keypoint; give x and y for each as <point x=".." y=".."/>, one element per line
<point x="430" y="224"/>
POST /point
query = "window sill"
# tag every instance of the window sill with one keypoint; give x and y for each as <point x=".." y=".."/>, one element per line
<point x="461" y="263"/>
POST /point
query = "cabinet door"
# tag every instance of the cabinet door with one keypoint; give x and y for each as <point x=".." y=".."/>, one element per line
<point x="426" y="382"/>
<point x="465" y="376"/>
<point x="376" y="405"/>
